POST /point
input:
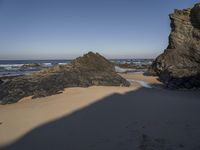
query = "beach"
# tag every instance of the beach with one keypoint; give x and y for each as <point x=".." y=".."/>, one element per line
<point x="104" y="117"/>
<point x="99" y="75"/>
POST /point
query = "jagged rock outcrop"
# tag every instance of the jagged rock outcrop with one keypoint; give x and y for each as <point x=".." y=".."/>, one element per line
<point x="179" y="65"/>
<point x="93" y="62"/>
<point x="91" y="69"/>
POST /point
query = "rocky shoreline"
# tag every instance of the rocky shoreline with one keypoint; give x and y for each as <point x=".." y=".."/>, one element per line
<point x="91" y="69"/>
<point x="179" y="65"/>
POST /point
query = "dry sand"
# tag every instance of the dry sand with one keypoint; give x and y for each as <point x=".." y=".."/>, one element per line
<point x="19" y="118"/>
<point x="104" y="118"/>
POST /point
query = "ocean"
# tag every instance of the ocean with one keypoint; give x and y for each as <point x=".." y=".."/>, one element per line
<point x="21" y="67"/>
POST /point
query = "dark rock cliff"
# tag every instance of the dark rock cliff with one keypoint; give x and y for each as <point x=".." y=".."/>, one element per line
<point x="179" y="65"/>
<point x="91" y="69"/>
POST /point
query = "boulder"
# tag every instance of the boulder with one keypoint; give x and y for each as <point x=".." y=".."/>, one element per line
<point x="91" y="69"/>
<point x="179" y="65"/>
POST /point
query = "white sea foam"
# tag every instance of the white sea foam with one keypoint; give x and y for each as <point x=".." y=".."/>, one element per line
<point x="62" y="63"/>
<point x="11" y="66"/>
<point x="121" y="70"/>
<point x="46" y="64"/>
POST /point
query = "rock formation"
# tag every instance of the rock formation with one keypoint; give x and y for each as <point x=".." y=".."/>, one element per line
<point x="1" y="81"/>
<point x="91" y="69"/>
<point x="179" y="65"/>
<point x="35" y="65"/>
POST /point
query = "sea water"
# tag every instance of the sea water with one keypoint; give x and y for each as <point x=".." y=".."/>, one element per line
<point x="15" y="67"/>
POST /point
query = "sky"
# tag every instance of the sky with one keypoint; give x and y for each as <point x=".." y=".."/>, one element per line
<point x="65" y="29"/>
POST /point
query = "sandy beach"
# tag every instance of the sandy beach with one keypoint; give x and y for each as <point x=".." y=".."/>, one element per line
<point x="96" y="118"/>
<point x="99" y="75"/>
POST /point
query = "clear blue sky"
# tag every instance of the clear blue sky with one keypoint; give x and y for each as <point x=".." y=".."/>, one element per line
<point x="53" y="29"/>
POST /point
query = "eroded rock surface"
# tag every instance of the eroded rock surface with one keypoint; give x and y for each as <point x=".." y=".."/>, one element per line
<point x="179" y="65"/>
<point x="91" y="69"/>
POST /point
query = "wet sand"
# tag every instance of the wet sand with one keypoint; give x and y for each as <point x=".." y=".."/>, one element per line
<point x="140" y="76"/>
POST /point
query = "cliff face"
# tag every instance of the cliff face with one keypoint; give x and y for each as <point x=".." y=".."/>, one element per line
<point x="91" y="69"/>
<point x="179" y="65"/>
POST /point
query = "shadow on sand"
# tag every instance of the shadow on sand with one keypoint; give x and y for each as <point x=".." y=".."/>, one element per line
<point x="145" y="119"/>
